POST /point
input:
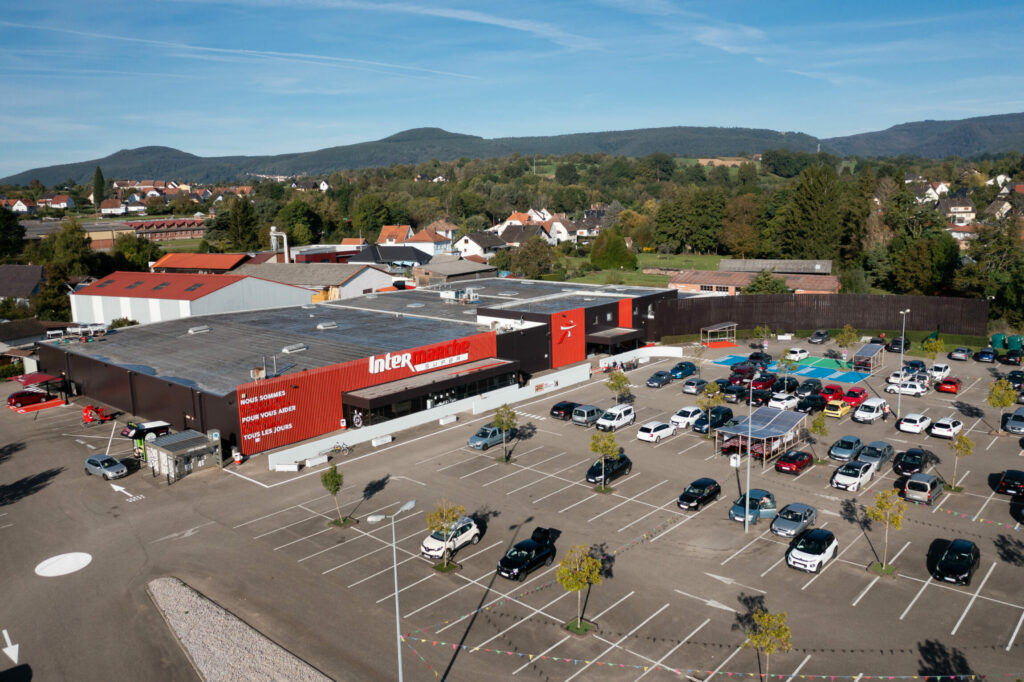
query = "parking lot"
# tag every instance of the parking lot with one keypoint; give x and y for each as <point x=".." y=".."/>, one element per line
<point x="678" y="586"/>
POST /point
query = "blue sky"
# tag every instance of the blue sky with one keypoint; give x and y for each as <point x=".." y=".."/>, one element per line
<point x="84" y="79"/>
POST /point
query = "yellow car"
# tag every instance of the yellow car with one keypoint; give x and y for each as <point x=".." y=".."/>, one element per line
<point x="837" y="408"/>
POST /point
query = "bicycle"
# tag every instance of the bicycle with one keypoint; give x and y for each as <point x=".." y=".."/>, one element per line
<point x="340" y="449"/>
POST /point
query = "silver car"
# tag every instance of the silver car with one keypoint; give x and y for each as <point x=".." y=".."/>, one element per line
<point x="794" y="519"/>
<point x="876" y="453"/>
<point x="105" y="466"/>
<point x="694" y="386"/>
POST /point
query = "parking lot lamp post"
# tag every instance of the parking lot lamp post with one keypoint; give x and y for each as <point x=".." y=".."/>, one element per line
<point x="903" y="344"/>
<point x="377" y="518"/>
<point x="750" y="420"/>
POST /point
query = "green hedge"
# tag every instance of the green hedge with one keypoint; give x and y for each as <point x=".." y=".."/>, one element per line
<point x="11" y="370"/>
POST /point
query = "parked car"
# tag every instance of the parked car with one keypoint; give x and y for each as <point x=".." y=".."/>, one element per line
<point x="813" y="550"/>
<point x="586" y="415"/>
<point x="915" y="366"/>
<point x="831" y="392"/>
<point x="899" y="376"/>
<point x="440" y="542"/>
<point x="694" y="386"/>
<point x="735" y="393"/>
<point x="855" y="396"/>
<point x="876" y="453"/>
<point x="897" y="344"/>
<point x="785" y="385"/>
<point x="563" y="410"/>
<point x="699" y="493"/>
<point x="765" y="380"/>
<point x="852" y="475"/>
<point x="762" y="506"/>
<point x="719" y="417"/>
<point x="745" y="367"/>
<point x="1016" y="379"/>
<point x="948" y="385"/>
<point x="760" y="358"/>
<point x="809" y="387"/>
<point x="759" y="397"/>
<point x="939" y="371"/>
<point x="820" y="336"/>
<point x="722" y="383"/>
<point x="811" y="404"/>
<point x="797" y="354"/>
<point x="870" y="410"/>
<point x="985" y="355"/>
<point x="1015" y="422"/>
<point x="794" y="519"/>
<point x="527" y="555"/>
<point x="490" y="435"/>
<point x="913" y="461"/>
<point x="914" y="423"/>
<point x="105" y="466"/>
<point x="616" y="417"/>
<point x="922" y="488"/>
<point x="653" y="432"/>
<point x="837" y="408"/>
<point x="846" y="448"/>
<point x="1011" y="482"/>
<point x="947" y="427"/>
<point x="793" y="462"/>
<point x="783" y="401"/>
<point x="659" y="379"/>
<point x="960" y="353"/>
<point x="1011" y="357"/>
<point x="958" y="562"/>
<point x="681" y="370"/>
<point x="23" y="398"/>
<point x="613" y="468"/>
<point x="685" y="417"/>
<point x="914" y="388"/>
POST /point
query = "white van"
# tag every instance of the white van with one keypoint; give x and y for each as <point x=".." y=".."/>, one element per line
<point x="870" y="410"/>
<point x="616" y="417"/>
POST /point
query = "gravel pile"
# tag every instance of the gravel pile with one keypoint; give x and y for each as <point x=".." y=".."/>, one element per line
<point x="221" y="646"/>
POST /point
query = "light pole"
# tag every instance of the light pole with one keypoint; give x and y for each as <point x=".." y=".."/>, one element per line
<point x="377" y="518"/>
<point x="750" y="421"/>
<point x="903" y="344"/>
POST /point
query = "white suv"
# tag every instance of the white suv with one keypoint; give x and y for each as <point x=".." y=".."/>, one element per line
<point x="616" y="417"/>
<point x="653" y="432"/>
<point x="464" y="532"/>
<point x="684" y="418"/>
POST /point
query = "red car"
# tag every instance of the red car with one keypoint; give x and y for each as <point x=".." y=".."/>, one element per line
<point x="948" y="385"/>
<point x="22" y="398"/>
<point x="764" y="381"/>
<point x="831" y="392"/>
<point x="855" y="396"/>
<point x="793" y="462"/>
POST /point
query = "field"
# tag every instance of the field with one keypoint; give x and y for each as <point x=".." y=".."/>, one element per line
<point x="682" y="261"/>
<point x="180" y="245"/>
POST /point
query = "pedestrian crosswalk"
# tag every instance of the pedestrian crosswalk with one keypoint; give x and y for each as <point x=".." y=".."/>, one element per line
<point x="531" y="416"/>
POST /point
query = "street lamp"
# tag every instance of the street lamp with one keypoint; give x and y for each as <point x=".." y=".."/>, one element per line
<point x="377" y="518"/>
<point x="750" y="421"/>
<point x="903" y="344"/>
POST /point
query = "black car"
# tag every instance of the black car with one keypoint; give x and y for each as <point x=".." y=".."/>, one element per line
<point x="681" y="370"/>
<point x="1011" y="483"/>
<point x="699" y="493"/>
<point x="659" y="379"/>
<point x="759" y="397"/>
<point x="613" y="468"/>
<point x="528" y="555"/>
<point x="745" y="367"/>
<point x="1012" y="357"/>
<point x="809" y="387"/>
<point x="811" y="404"/>
<point x="563" y="410"/>
<point x="913" y="461"/>
<point x="760" y="358"/>
<point x="785" y="385"/>
<point x="820" y="336"/>
<point x="719" y="417"/>
<point x="722" y="383"/>
<point x="897" y="344"/>
<point x="1016" y="379"/>
<point x="735" y="393"/>
<point x="958" y="563"/>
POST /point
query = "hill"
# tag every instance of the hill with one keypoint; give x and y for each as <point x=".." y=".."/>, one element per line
<point x="938" y="139"/>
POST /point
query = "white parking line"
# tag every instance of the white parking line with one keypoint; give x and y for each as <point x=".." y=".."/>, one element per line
<point x="497" y="599"/>
<point x="969" y="387"/>
<point x="577" y="503"/>
<point x="726" y="661"/>
<point x="281" y="511"/>
<point x="621" y="640"/>
<point x="470" y="583"/>
<point x="673" y="501"/>
<point x="680" y="523"/>
<point x="540" y="656"/>
<point x="767" y="570"/>
<point x="983" y="505"/>
<point x="992" y="443"/>
<point x="474" y="473"/>
<point x="973" y="427"/>
<point x="657" y="664"/>
<point x="621" y="599"/>
<point x="973" y="598"/>
<point x="798" y="668"/>
<point x="371" y="553"/>
<point x="361" y="535"/>
<point x="924" y="584"/>
<point x="689" y="448"/>
<point x="428" y="459"/>
<point x="1015" y="631"/>
<point x="463" y="461"/>
<point x="546" y="477"/>
<point x="740" y="550"/>
<point x="383" y="570"/>
<point x="865" y="590"/>
<point x="626" y="501"/>
<point x="427" y="577"/>
<point x="519" y="471"/>
<point x="519" y="622"/>
<point x="872" y="484"/>
<point x="826" y="566"/>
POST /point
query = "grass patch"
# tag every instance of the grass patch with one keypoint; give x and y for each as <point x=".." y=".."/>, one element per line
<point x="501" y="459"/>
<point x="450" y="567"/>
<point x="180" y="245"/>
<point x="604" y="489"/>
<point x="682" y="261"/>
<point x="953" y="488"/>
<point x="584" y="627"/>
<point x="878" y="568"/>
<point x="349" y="521"/>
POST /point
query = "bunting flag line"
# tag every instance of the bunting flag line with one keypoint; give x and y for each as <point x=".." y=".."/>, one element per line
<point x="987" y="522"/>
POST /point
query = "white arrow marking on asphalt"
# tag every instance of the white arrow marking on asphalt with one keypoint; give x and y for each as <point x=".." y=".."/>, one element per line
<point x="119" y="489"/>
<point x="729" y="581"/>
<point x="709" y="602"/>
<point x="11" y="649"/>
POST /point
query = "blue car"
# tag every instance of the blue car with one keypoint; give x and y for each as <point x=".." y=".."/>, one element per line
<point x="659" y="379"/>
<point x="846" y="448"/>
<point x="762" y="506"/>
<point x="985" y="355"/>
<point x="682" y="370"/>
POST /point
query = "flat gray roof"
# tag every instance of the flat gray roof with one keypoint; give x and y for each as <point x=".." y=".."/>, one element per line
<point x="766" y="422"/>
<point x="517" y="289"/>
<point x="416" y="302"/>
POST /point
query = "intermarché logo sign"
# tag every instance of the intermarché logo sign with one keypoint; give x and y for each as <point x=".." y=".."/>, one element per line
<point x="450" y="353"/>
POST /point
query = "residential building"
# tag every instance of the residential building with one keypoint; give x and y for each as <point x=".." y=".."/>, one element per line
<point x="112" y="207"/>
<point x="516" y="235"/>
<point x="20" y="282"/>
<point x="959" y="211"/>
<point x="392" y="235"/>
<point x="443" y="227"/>
<point x="24" y="206"/>
<point x="327" y="281"/>
<point x="718" y="283"/>
<point x="445" y="269"/>
<point x="482" y="244"/>
<point x="398" y="257"/>
<point x="963" y="234"/>
<point x="175" y="228"/>
<point x="430" y="242"/>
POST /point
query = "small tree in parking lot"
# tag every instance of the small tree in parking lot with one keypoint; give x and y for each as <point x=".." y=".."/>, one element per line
<point x="698" y="352"/>
<point x="332" y="480"/>
<point x="442" y="520"/>
<point x="962" y="447"/>
<point x="505" y="419"/>
<point x="846" y="337"/>
<point x="710" y="397"/>
<point x="888" y="510"/>
<point x="604" y="446"/>
<point x="578" y="571"/>
<point x="1001" y="395"/>
<point x="787" y="365"/>
<point x="933" y="347"/>
<point x="768" y="633"/>
<point x="762" y="333"/>
<point x="618" y="383"/>
<point x="819" y="427"/>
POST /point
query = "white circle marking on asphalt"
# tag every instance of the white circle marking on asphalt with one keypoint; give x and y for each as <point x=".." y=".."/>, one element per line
<point x="63" y="564"/>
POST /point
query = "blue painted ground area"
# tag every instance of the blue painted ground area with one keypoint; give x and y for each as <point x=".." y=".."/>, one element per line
<point x="809" y="371"/>
<point x="730" y="360"/>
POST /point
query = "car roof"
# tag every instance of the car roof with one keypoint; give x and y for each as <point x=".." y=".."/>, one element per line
<point x="961" y="544"/>
<point x="1013" y="473"/>
<point x="759" y="492"/>
<point x="703" y="482"/>
<point x="924" y="477"/>
<point x="820" y="534"/>
<point x="881" y="444"/>
<point x="916" y="416"/>
<point x="798" y="506"/>
<point x="652" y="424"/>
<point x="871" y="402"/>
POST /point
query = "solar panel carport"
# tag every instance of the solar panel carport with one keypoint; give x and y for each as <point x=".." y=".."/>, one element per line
<point x="768" y="431"/>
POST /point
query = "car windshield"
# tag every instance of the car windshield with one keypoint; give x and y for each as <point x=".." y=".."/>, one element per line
<point x="441" y="535"/>
<point x="789" y="515"/>
<point x="869" y="452"/>
<point x="810" y="545"/>
<point x="608" y="415"/>
<point x="517" y="554"/>
<point x="912" y="458"/>
<point x="850" y="470"/>
<point x="483" y="433"/>
<point x="108" y="463"/>
<point x="847" y="443"/>
<point x="955" y="553"/>
<point x="694" y="490"/>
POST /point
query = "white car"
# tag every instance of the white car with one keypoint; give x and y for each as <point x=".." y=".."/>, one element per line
<point x="853" y="475"/>
<point x="653" y="432"/>
<point x="899" y="377"/>
<point x="797" y="354"/>
<point x="464" y="532"/>
<point x="915" y="423"/>
<point x="684" y="418"/>
<point x="908" y="388"/>
<point x="812" y="550"/>
<point x="938" y="371"/>
<point x="947" y="427"/>
<point x="783" y="401"/>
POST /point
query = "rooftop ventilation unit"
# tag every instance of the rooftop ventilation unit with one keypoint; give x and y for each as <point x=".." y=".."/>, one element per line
<point x="199" y="330"/>
<point x="295" y="348"/>
<point x="327" y="325"/>
<point x="308" y="306"/>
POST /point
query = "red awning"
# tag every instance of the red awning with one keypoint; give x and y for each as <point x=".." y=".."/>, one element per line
<point x="34" y="378"/>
